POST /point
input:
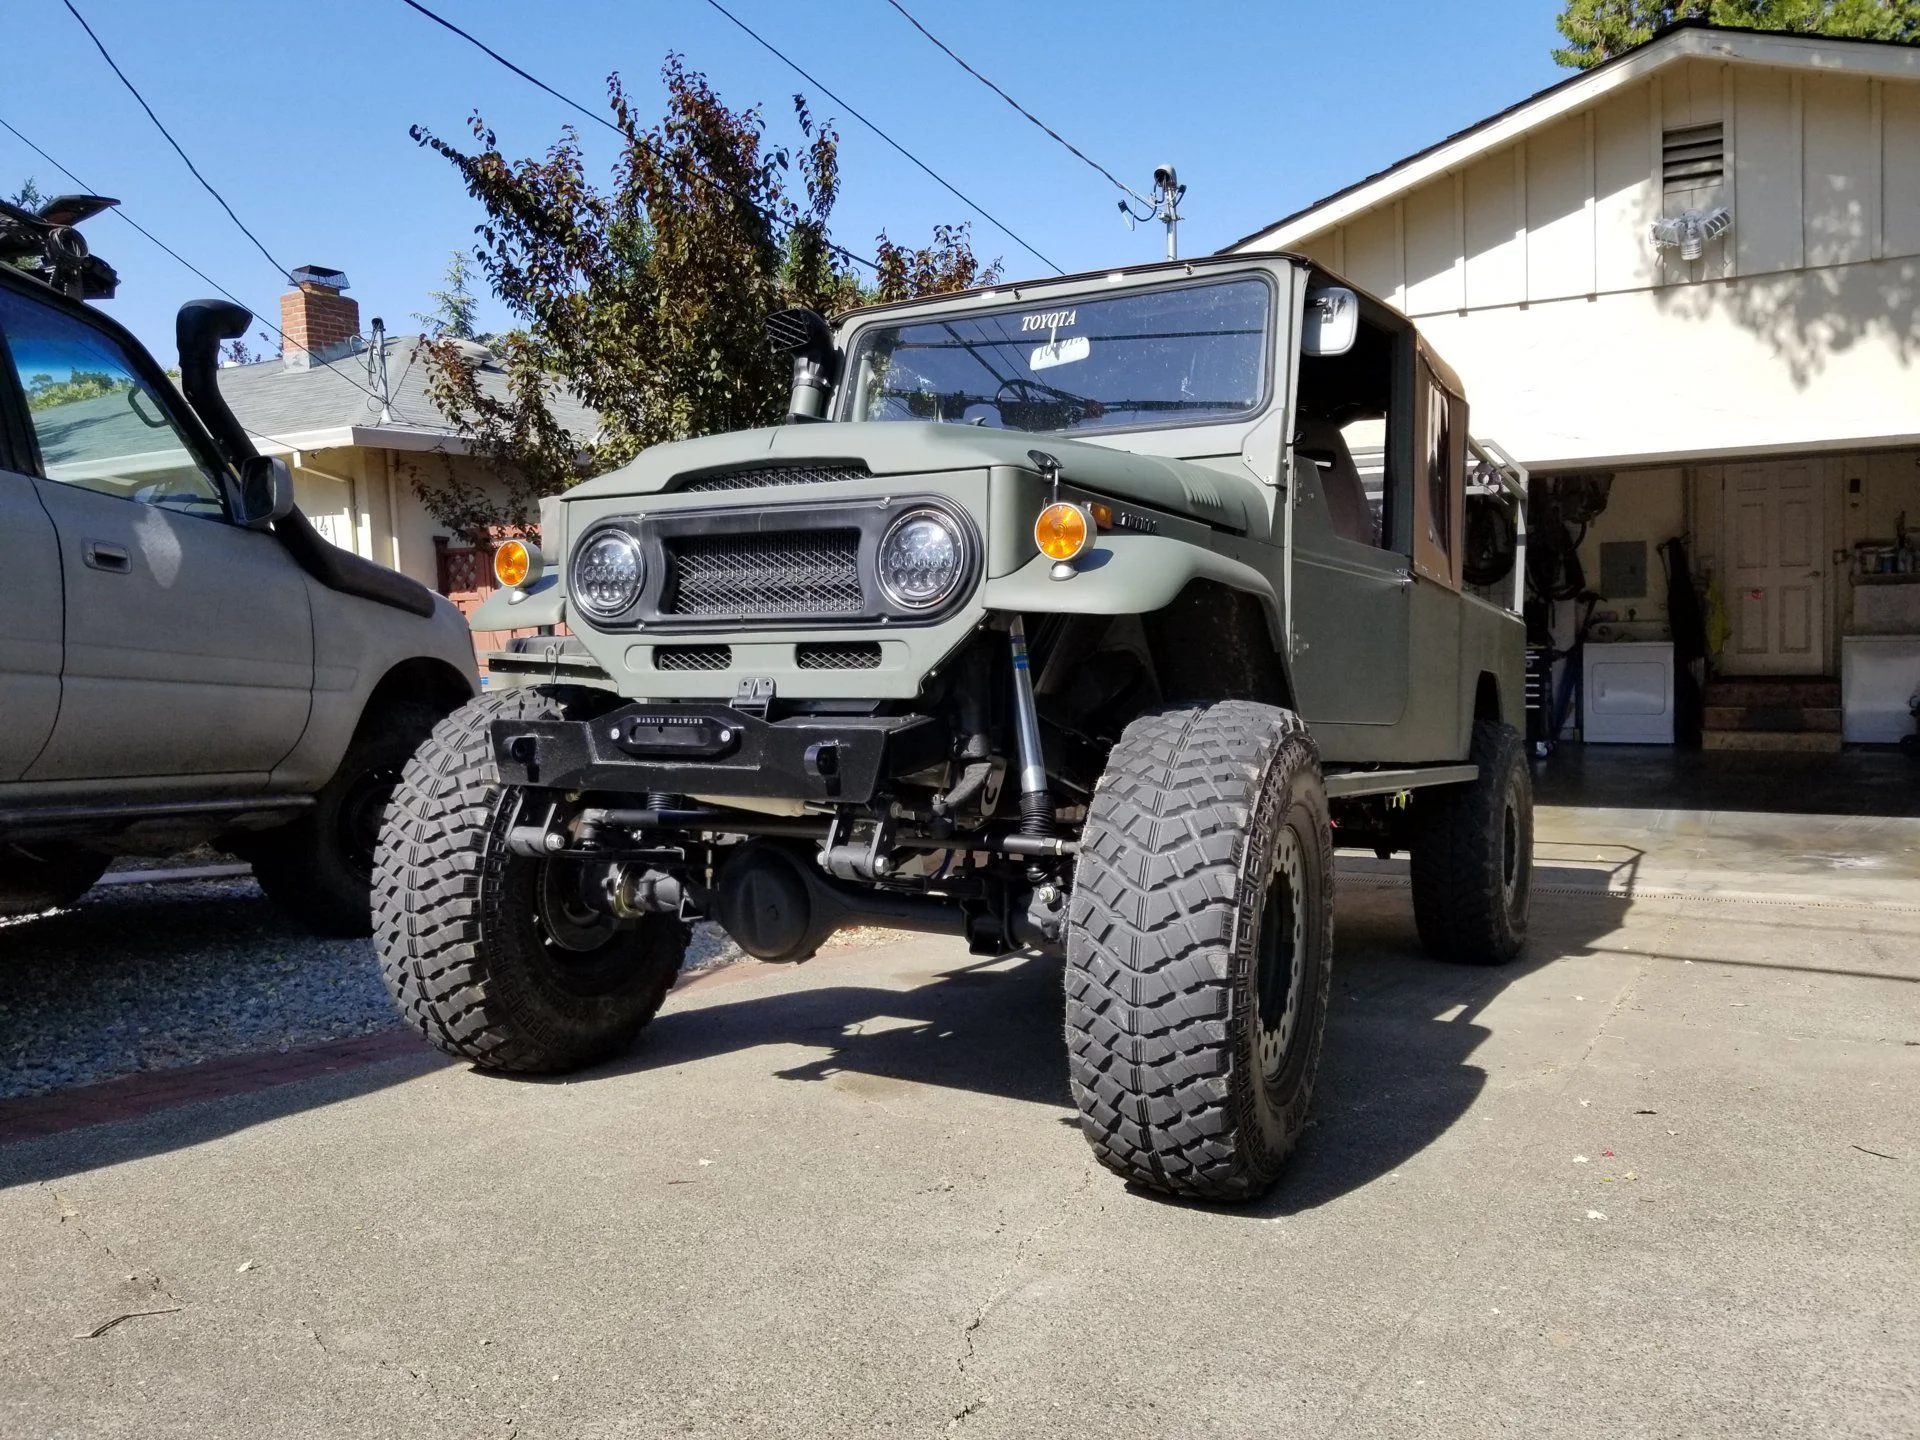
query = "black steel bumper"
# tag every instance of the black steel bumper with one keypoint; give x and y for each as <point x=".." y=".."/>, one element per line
<point x="716" y="750"/>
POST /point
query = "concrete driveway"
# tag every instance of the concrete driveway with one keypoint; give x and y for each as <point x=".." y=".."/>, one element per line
<point x="1662" y="1177"/>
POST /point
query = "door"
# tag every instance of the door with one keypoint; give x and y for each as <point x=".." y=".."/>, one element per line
<point x="189" y="640"/>
<point x="29" y="625"/>
<point x="1775" y="568"/>
<point x="1351" y="589"/>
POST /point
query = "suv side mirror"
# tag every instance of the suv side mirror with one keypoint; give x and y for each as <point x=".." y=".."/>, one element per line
<point x="1332" y="321"/>
<point x="266" y="491"/>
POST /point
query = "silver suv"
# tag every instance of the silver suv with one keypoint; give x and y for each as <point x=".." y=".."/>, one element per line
<point x="182" y="657"/>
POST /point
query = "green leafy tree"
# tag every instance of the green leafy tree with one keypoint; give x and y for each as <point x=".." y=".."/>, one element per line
<point x="27" y="197"/>
<point x="1597" y="30"/>
<point x="644" y="300"/>
<point x="46" y="393"/>
<point x="456" y="309"/>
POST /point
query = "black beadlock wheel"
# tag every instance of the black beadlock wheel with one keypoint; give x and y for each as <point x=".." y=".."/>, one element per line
<point x="1200" y="949"/>
<point x="496" y="958"/>
<point x="1472" y="855"/>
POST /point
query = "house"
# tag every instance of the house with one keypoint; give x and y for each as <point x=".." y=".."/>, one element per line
<point x="1694" y="272"/>
<point x="351" y="414"/>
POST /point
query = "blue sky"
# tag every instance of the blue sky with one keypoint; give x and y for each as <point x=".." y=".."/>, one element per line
<point x="299" y="114"/>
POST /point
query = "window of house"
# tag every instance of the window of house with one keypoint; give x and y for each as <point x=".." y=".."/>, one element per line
<point x="99" y="425"/>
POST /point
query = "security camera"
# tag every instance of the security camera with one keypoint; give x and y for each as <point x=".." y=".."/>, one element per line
<point x="1164" y="179"/>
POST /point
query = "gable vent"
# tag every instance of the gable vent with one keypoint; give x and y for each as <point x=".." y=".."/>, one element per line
<point x="1692" y="156"/>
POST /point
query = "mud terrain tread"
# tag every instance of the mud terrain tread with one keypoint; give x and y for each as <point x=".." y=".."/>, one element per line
<point x="436" y="853"/>
<point x="1151" y="968"/>
<point x="300" y="867"/>
<point x="1454" y="865"/>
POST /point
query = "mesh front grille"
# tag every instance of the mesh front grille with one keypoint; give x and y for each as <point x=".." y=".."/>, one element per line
<point x="841" y="655"/>
<point x="806" y="572"/>
<point x="692" y="657"/>
<point x="780" y="475"/>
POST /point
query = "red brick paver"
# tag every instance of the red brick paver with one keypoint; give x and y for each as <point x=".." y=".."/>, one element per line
<point x="132" y="1096"/>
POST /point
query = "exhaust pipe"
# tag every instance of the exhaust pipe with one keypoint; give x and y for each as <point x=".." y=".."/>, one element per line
<point x="804" y="335"/>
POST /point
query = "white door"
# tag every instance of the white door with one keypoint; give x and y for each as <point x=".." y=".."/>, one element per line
<point x="1775" y="573"/>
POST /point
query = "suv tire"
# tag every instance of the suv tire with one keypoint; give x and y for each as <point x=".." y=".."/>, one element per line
<point x="1200" y="949"/>
<point x="1472" y="855"/>
<point x="319" y="869"/>
<point x="482" y="950"/>
<point x="50" y="876"/>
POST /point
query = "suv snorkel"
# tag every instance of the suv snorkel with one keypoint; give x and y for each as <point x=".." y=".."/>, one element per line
<point x="803" y="334"/>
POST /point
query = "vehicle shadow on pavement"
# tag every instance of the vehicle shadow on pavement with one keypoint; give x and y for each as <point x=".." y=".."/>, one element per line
<point x="96" y="1146"/>
<point x="1396" y="1074"/>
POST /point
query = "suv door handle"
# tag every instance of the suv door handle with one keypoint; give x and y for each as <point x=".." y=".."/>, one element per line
<point x="102" y="556"/>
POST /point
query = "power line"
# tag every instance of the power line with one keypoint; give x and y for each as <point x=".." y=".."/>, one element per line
<point x="254" y="313"/>
<point x="600" y="119"/>
<point x="944" y="183"/>
<point x="1072" y="149"/>
<point x="205" y="184"/>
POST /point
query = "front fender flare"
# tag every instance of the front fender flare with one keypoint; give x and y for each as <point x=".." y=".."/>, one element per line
<point x="1130" y="575"/>
<point x="540" y="603"/>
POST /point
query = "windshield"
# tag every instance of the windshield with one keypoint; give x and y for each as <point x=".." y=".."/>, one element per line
<point x="1195" y="354"/>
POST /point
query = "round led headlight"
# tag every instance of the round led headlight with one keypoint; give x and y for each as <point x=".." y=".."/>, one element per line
<point x="607" y="574"/>
<point x="923" y="559"/>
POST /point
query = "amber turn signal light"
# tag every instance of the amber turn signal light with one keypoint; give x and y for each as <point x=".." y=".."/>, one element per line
<point x="1062" y="531"/>
<point x="514" y="564"/>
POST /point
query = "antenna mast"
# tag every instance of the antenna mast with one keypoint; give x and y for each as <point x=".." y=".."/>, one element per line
<point x="1163" y="205"/>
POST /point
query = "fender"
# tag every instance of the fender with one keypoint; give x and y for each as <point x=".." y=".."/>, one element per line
<point x="540" y="603"/>
<point x="1130" y="574"/>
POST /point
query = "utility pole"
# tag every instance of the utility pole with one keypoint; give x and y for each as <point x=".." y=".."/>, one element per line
<point x="1163" y="205"/>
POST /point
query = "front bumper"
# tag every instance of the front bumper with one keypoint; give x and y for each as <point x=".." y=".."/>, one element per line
<point x="717" y="750"/>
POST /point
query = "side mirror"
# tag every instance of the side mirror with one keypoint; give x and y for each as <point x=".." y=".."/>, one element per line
<point x="266" y="491"/>
<point x="1332" y="321"/>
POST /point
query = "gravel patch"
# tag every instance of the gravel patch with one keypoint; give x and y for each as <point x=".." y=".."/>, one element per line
<point x="148" y="977"/>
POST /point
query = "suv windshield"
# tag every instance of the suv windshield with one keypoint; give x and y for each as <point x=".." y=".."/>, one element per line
<point x="1186" y="355"/>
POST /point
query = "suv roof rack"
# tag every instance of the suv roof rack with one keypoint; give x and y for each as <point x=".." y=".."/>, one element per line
<point x="45" y="245"/>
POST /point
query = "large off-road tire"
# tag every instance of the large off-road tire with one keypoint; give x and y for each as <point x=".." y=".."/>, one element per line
<point x="319" y="869"/>
<point x="495" y="957"/>
<point x="49" y="876"/>
<point x="1200" y="949"/>
<point x="1472" y="855"/>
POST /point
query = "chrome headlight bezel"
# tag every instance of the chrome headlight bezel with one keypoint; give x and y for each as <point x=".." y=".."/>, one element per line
<point x="628" y="596"/>
<point x="958" y="532"/>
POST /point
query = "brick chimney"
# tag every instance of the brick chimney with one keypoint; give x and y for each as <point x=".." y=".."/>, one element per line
<point x="320" y="322"/>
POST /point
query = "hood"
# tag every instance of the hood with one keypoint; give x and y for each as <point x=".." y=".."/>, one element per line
<point x="1179" y="487"/>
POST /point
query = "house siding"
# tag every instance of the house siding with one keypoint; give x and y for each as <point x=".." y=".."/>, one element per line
<point x="1531" y="270"/>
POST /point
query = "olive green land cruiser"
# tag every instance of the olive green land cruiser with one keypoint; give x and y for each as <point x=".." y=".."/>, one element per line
<point x="183" y="658"/>
<point x="1063" y="617"/>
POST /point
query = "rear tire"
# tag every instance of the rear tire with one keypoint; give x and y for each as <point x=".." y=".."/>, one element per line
<point x="1472" y="855"/>
<point x="492" y="956"/>
<point x="48" y="876"/>
<point x="319" y="869"/>
<point x="1200" y="949"/>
